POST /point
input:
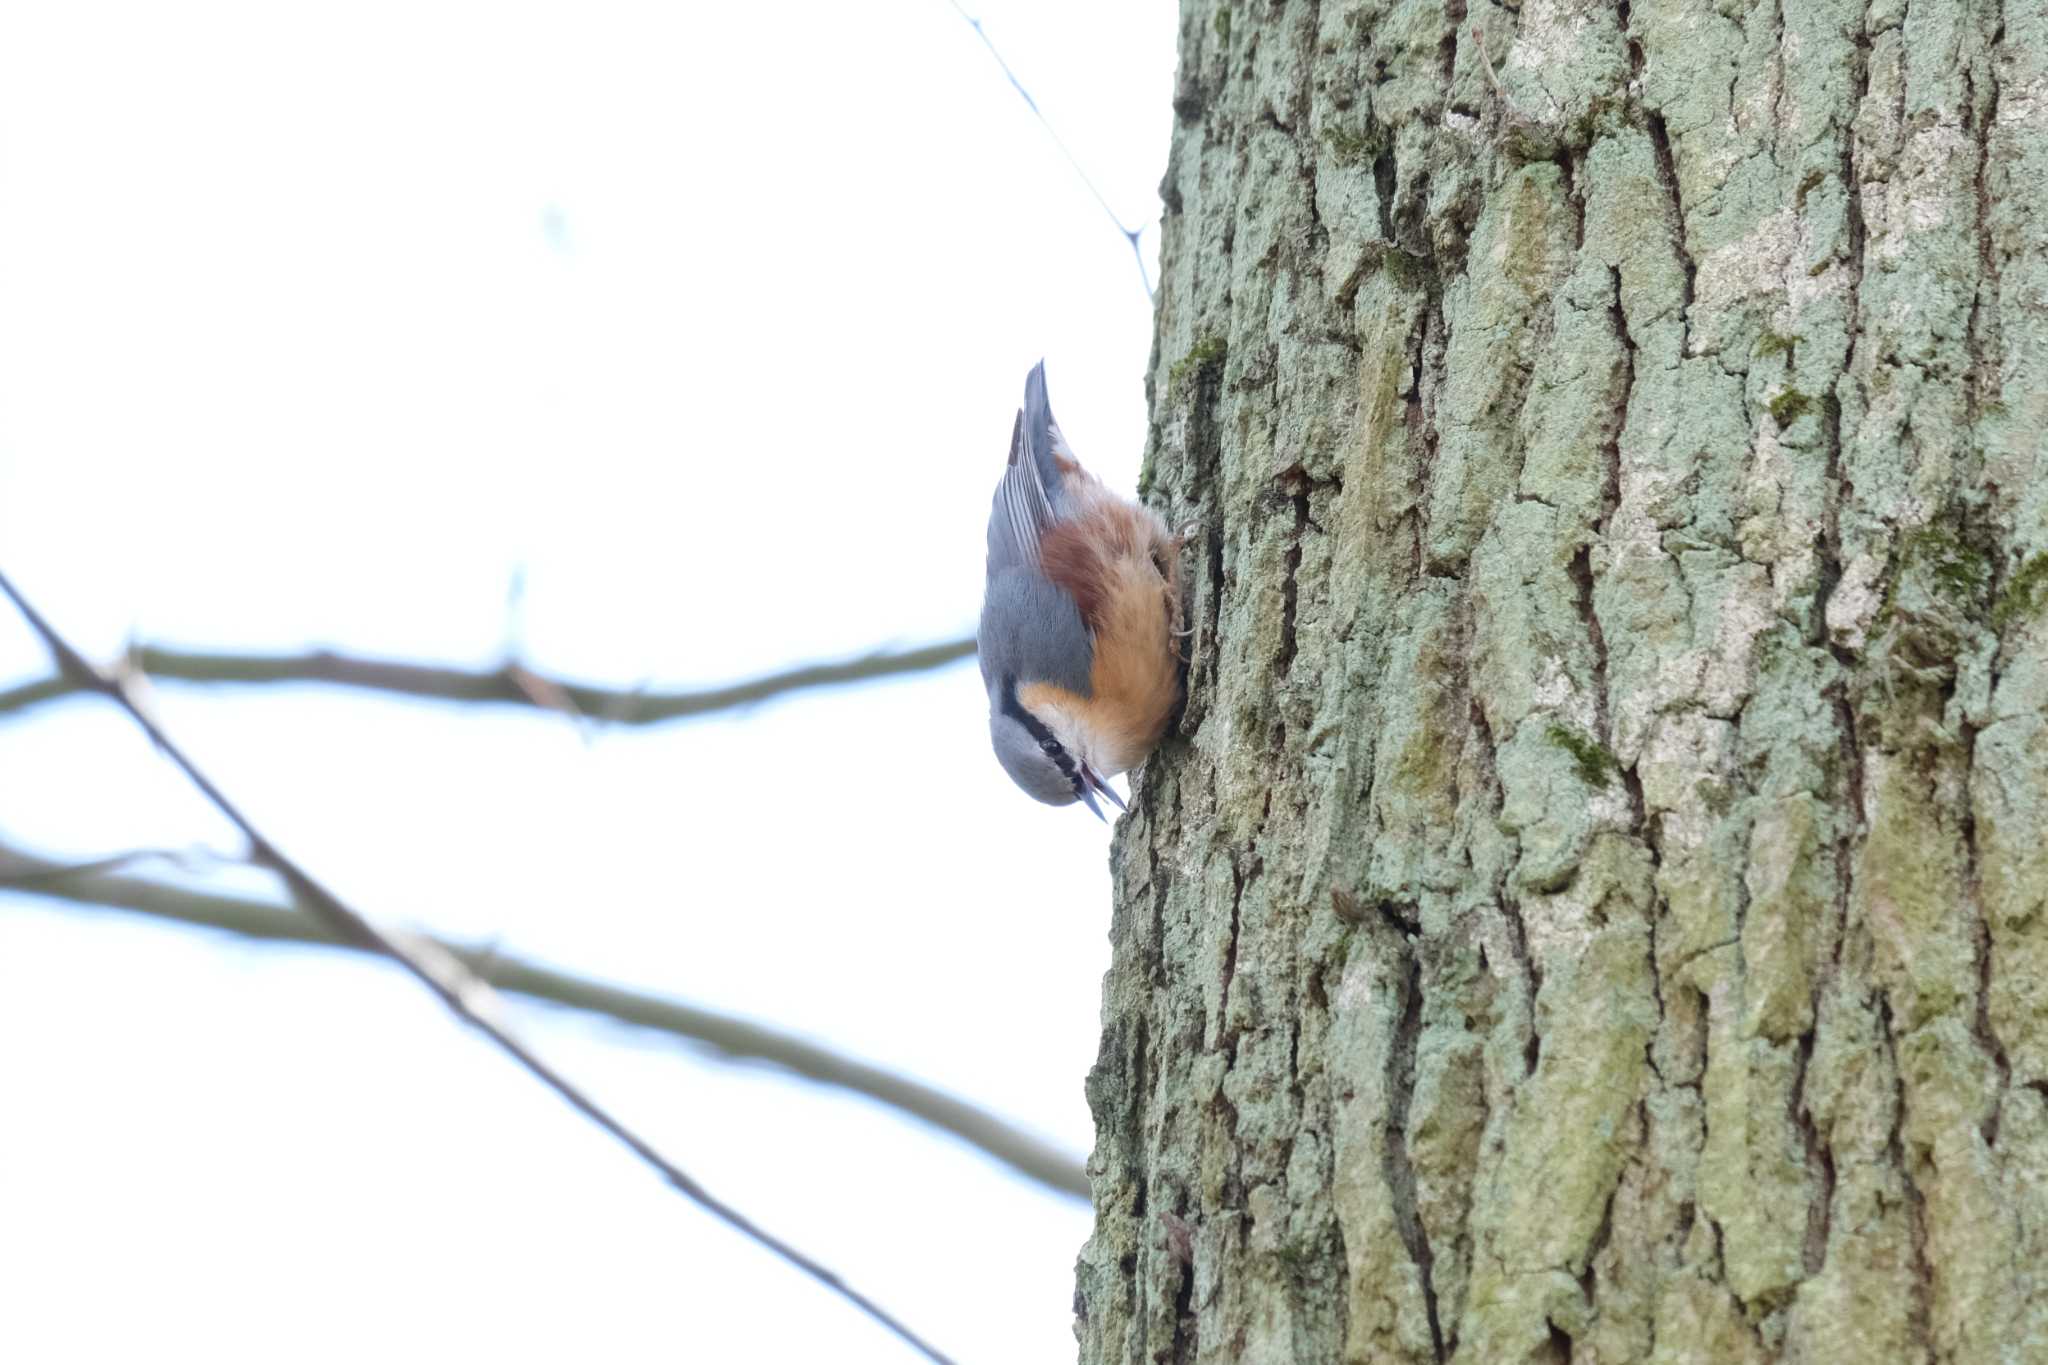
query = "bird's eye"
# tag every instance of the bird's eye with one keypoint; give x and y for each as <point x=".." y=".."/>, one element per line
<point x="1051" y="746"/>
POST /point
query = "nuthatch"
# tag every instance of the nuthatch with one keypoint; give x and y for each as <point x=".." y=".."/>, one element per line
<point x="1078" y="621"/>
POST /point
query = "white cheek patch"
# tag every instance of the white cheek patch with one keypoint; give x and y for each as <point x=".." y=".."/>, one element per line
<point x="1067" y="721"/>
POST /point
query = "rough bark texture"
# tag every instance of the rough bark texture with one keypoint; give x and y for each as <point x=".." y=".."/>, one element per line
<point x="1596" y="906"/>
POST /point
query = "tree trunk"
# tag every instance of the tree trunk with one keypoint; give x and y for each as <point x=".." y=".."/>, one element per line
<point x="1596" y="905"/>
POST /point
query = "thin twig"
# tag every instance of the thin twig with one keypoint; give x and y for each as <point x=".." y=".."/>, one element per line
<point x="38" y="874"/>
<point x="93" y="884"/>
<point x="512" y="685"/>
<point x="466" y="995"/>
<point x="1130" y="235"/>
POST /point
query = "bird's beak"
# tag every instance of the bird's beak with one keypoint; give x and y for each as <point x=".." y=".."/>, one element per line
<point x="1088" y="800"/>
<point x="1095" y="782"/>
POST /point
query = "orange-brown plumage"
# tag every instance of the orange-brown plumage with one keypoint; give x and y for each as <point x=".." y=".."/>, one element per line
<point x="1104" y="538"/>
<point x="1122" y="570"/>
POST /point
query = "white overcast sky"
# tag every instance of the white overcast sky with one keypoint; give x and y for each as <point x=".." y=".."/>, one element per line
<point x="320" y="323"/>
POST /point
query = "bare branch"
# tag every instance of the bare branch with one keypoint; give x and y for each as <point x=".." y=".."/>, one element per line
<point x="92" y="884"/>
<point x="512" y="685"/>
<point x="459" y="988"/>
<point x="1130" y="235"/>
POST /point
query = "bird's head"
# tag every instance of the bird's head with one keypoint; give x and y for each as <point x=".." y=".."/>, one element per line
<point x="1038" y="749"/>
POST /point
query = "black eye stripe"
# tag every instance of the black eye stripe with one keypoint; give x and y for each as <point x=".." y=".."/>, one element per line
<point x="1048" y="743"/>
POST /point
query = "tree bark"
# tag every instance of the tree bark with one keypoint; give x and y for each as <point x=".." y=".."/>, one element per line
<point x="1595" y="905"/>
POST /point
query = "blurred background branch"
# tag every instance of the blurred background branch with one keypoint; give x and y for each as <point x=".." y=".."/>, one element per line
<point x="467" y="996"/>
<point x="513" y="684"/>
<point x="98" y="883"/>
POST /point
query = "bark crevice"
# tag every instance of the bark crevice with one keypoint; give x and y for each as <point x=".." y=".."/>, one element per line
<point x="1398" y="1170"/>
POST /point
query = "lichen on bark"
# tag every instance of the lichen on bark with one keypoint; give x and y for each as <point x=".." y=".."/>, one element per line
<point x="1595" y="906"/>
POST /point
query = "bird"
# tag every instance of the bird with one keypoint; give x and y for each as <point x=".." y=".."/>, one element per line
<point x="1079" y="638"/>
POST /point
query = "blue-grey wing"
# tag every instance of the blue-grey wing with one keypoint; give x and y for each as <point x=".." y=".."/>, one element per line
<point x="1028" y="499"/>
<point x="1031" y="631"/>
